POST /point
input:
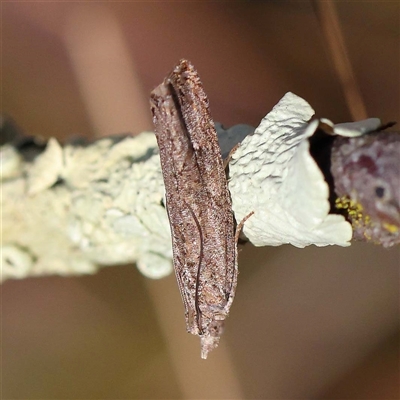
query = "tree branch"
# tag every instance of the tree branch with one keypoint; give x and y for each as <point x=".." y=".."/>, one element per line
<point x="72" y="209"/>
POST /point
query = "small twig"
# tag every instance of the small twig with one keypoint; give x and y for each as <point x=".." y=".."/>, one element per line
<point x="330" y="26"/>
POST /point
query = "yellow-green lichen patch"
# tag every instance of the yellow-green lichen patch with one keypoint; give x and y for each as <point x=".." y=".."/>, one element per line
<point x="390" y="227"/>
<point x="355" y="211"/>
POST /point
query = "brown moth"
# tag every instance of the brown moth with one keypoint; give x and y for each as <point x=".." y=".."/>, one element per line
<point x="198" y="203"/>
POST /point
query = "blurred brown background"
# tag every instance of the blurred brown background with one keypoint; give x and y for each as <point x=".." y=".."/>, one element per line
<point x="320" y="323"/>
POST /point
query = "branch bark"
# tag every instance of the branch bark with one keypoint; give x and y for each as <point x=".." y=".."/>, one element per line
<point x="74" y="208"/>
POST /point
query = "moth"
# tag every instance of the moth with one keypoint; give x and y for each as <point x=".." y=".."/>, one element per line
<point x="198" y="203"/>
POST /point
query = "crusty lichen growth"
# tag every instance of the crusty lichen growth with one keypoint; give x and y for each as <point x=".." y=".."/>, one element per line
<point x="366" y="173"/>
<point x="355" y="213"/>
<point x="274" y="174"/>
<point x="75" y="208"/>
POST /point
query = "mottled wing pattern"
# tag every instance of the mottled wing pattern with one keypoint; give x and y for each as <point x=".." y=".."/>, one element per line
<point x="198" y="202"/>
